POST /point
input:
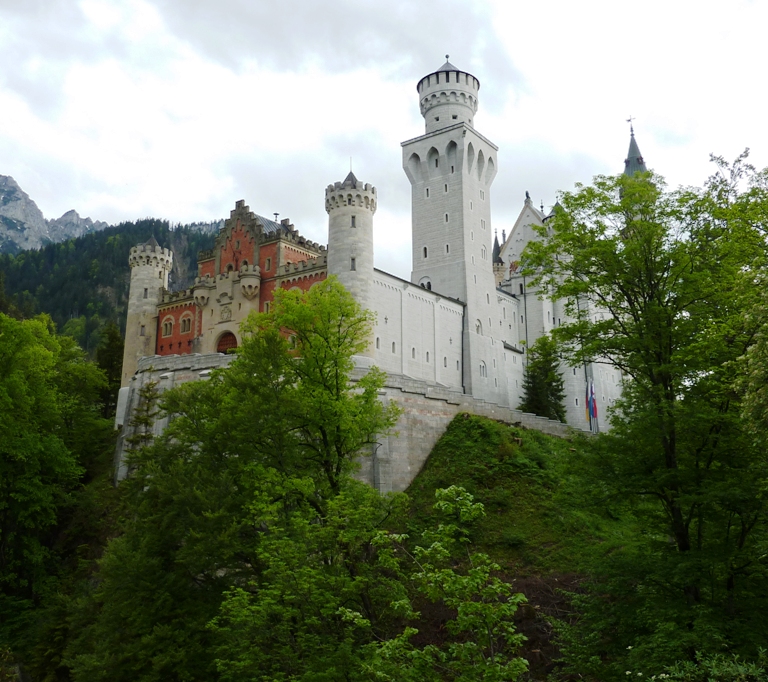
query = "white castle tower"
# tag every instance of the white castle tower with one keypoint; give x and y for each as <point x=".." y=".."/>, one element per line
<point x="451" y="168"/>
<point x="350" y="206"/>
<point x="150" y="267"/>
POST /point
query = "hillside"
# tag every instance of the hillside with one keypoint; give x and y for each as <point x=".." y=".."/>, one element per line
<point x="83" y="283"/>
<point x="540" y="543"/>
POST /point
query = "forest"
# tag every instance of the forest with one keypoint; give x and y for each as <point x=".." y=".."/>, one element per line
<point x="241" y="546"/>
<point x="82" y="284"/>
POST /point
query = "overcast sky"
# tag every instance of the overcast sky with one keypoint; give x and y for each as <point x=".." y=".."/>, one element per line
<point x="175" y="109"/>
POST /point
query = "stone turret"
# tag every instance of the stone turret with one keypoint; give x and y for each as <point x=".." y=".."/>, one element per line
<point x="350" y="206"/>
<point x="150" y="267"/>
<point x="448" y="96"/>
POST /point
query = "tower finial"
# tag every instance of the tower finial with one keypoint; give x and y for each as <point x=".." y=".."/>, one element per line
<point x="447" y="57"/>
<point x="631" y="127"/>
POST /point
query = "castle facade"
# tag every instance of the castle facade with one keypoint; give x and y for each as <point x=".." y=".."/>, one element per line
<point x="453" y="337"/>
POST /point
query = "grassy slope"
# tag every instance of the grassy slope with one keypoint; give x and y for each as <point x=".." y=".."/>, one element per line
<point x="532" y="528"/>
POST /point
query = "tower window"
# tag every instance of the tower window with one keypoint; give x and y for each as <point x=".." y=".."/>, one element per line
<point x="428" y="363"/>
<point x="413" y="353"/>
<point x="447" y="248"/>
<point x="427" y="192"/>
<point x="437" y="118"/>
<point x="393" y="346"/>
<point x="446" y="217"/>
<point x="352" y="264"/>
<point x="487" y="298"/>
<point x="455" y="116"/>
<point x="352" y="222"/>
<point x="142" y="331"/>
<point x="457" y="366"/>
<point x="446" y="188"/>
<point x="482" y="195"/>
<point x="445" y="361"/>
<point x="521" y="288"/>
<point x="378" y="343"/>
<point x="160" y="275"/>
<point x="471" y="206"/>
<point x="437" y="160"/>
<point x="146" y="293"/>
<point x="349" y="201"/>
<point x="425" y="252"/>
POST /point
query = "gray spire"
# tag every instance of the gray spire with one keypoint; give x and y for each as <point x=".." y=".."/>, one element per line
<point x="350" y="180"/>
<point x="634" y="163"/>
<point x="496" y="250"/>
<point x="447" y="66"/>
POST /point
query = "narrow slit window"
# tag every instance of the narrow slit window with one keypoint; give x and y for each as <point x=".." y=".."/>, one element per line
<point x="352" y="222"/>
<point x="352" y="264"/>
<point x="425" y="252"/>
<point x="146" y="293"/>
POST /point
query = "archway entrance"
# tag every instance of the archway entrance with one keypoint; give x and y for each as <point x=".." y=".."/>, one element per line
<point x="227" y="342"/>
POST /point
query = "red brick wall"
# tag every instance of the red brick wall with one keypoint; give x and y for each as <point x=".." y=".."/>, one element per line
<point x="233" y="255"/>
<point x="206" y="267"/>
<point x="177" y="343"/>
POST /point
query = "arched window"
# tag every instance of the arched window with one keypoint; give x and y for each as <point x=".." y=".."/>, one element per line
<point x="478" y="327"/>
<point x="378" y="343"/>
<point x="227" y="342"/>
<point x="413" y="353"/>
<point x="393" y="346"/>
<point x="483" y="370"/>
<point x="428" y="360"/>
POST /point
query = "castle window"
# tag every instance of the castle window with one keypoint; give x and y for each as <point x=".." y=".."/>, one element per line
<point x="146" y="293"/>
<point x="495" y="382"/>
<point x="494" y="363"/>
<point x="482" y="223"/>
<point x="482" y="193"/>
<point x="393" y="346"/>
<point x="454" y="117"/>
<point x="457" y="366"/>
<point x="428" y="363"/>
<point x="437" y="118"/>
<point x="484" y="253"/>
<point x="352" y="223"/>
<point x="521" y="288"/>
<point x="479" y="327"/>
<point x="504" y="313"/>
<point x="427" y="192"/>
<point x="475" y="279"/>
<point x="548" y="316"/>
<point x="576" y="400"/>
<point x="425" y="252"/>
<point x="378" y="343"/>
<point x="452" y="168"/>
<point x="160" y="275"/>
<point x="167" y="328"/>
<point x="237" y="244"/>
<point x="349" y="201"/>
<point x="446" y="217"/>
<point x="473" y="262"/>
<point x="471" y="206"/>
<point x="472" y="235"/>
<point x="437" y="161"/>
<point x="446" y="188"/>
<point x="413" y="353"/>
<point x="186" y="324"/>
<point x="268" y="265"/>
<point x="142" y="331"/>
<point x="266" y="307"/>
<point x="574" y="371"/>
<point x="445" y="361"/>
<point x="483" y="370"/>
<point x="447" y="248"/>
<point x="522" y="319"/>
<point x="429" y="286"/>
<point x="352" y="264"/>
<point x="487" y="298"/>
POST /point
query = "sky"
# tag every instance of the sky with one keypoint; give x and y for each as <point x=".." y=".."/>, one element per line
<point x="176" y="109"/>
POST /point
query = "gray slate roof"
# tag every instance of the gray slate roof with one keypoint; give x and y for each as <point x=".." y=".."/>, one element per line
<point x="634" y="163"/>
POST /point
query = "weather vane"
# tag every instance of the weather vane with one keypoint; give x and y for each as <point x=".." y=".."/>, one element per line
<point x="631" y="127"/>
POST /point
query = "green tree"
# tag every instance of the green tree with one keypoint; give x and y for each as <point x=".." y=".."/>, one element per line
<point x="109" y="357"/>
<point x="674" y="274"/>
<point x="543" y="391"/>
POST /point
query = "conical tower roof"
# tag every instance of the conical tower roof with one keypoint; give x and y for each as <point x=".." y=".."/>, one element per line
<point x="350" y="180"/>
<point x="634" y="163"/>
<point x="496" y="250"/>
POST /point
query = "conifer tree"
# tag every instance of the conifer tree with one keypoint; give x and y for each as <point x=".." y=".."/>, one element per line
<point x="543" y="391"/>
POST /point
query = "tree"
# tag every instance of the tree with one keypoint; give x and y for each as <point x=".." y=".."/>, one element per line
<point x="543" y="392"/>
<point x="674" y="273"/>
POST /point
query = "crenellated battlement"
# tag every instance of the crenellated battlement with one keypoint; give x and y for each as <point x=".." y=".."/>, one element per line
<point x="294" y="237"/>
<point x="351" y="193"/>
<point x="152" y="255"/>
<point x="176" y="296"/>
<point x="303" y="265"/>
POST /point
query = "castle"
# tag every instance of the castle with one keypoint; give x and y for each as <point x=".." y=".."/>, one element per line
<point x="451" y="339"/>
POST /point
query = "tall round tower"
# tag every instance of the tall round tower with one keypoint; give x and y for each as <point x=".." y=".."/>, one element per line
<point x="447" y="97"/>
<point x="350" y="206"/>
<point x="150" y="267"/>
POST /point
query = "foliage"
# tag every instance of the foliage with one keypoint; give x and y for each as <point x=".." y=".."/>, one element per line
<point x="673" y="274"/>
<point x="51" y="437"/>
<point x="543" y="392"/>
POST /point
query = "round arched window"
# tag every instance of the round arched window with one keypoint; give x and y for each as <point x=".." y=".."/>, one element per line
<point x="227" y="342"/>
